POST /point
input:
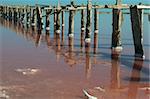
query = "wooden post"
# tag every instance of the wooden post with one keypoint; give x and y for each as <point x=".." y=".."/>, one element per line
<point x="6" y="12"/>
<point x="89" y="22"/>
<point x="62" y="36"/>
<point x="30" y="16"/>
<point x="82" y="20"/>
<point x="55" y="20"/>
<point x="23" y="15"/>
<point x="136" y="20"/>
<point x="27" y="16"/>
<point x="96" y="20"/>
<point x="63" y="27"/>
<point x="19" y="14"/>
<point x="71" y="23"/>
<point x="63" y="18"/>
<point x="82" y="39"/>
<point x="3" y="12"/>
<point x="15" y="15"/>
<point x="58" y="21"/>
<point x="48" y="20"/>
<point x="39" y="18"/>
<point x="33" y="17"/>
<point x="10" y="14"/>
<point x="116" y="39"/>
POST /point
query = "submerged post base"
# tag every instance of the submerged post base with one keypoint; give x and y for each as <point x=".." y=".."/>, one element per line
<point x="139" y="56"/>
<point x="117" y="49"/>
<point x="87" y="40"/>
<point x="71" y="35"/>
<point x="47" y="28"/>
<point x="96" y="31"/>
<point x="58" y="31"/>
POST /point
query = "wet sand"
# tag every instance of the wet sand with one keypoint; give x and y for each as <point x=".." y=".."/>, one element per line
<point x="38" y="65"/>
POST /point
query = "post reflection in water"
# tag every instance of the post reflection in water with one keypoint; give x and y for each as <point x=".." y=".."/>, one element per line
<point x="135" y="79"/>
<point x="95" y="43"/>
<point x="95" y="47"/>
<point x="70" y="58"/>
<point x="38" y="38"/>
<point x="115" y="71"/>
<point x="82" y="40"/>
<point x="47" y="39"/>
<point x="62" y="35"/>
<point x="58" y="47"/>
<point x="88" y="60"/>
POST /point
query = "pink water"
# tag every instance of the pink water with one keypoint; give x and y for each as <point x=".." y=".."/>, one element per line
<point x="64" y="71"/>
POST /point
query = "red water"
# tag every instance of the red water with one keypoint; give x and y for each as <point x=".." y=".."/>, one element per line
<point x="65" y="69"/>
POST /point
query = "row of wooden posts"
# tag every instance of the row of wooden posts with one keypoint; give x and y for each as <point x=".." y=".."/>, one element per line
<point x="34" y="18"/>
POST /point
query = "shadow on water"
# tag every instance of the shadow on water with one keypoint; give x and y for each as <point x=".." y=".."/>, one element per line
<point x="136" y="82"/>
<point x="137" y="69"/>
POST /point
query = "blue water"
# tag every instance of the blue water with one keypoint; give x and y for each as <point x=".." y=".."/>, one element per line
<point x="52" y="2"/>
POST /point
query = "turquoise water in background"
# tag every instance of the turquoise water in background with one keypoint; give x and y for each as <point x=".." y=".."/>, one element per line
<point x="53" y="2"/>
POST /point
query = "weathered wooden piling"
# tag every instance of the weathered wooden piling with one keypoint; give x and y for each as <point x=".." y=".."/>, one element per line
<point x="55" y="18"/>
<point x="48" y="20"/>
<point x="23" y="16"/>
<point x="58" y="11"/>
<point x="3" y="12"/>
<point x="63" y="27"/>
<point x="89" y="22"/>
<point x="63" y="18"/>
<point x="62" y="36"/>
<point x="15" y="14"/>
<point x="71" y="23"/>
<point x="82" y="39"/>
<point x="39" y="18"/>
<point x="82" y="20"/>
<point x="33" y="17"/>
<point x="10" y="14"/>
<point x="6" y="14"/>
<point x="136" y="20"/>
<point x="19" y="14"/>
<point x="96" y="20"/>
<point x="27" y="15"/>
<point x="116" y="37"/>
